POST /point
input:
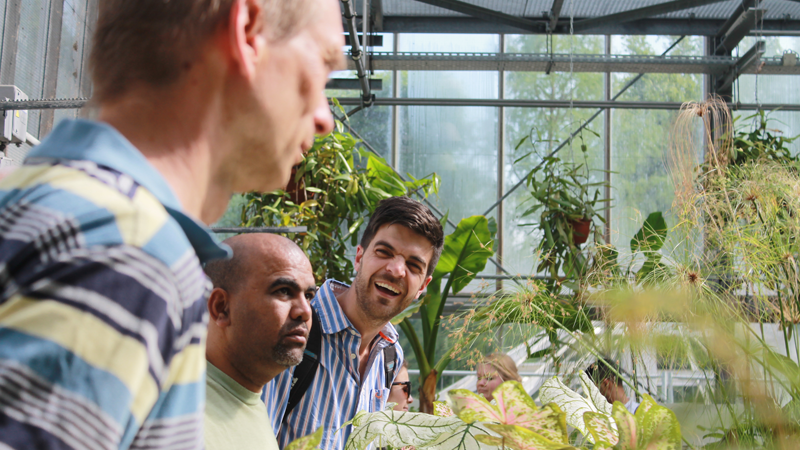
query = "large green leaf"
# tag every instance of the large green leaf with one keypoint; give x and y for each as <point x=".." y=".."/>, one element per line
<point x="652" y="234"/>
<point x="408" y="312"/>
<point x="464" y="255"/>
<point x="654" y="427"/>
<point x="423" y="431"/>
<point x="465" y="437"/>
<point x="519" y="438"/>
<point x="306" y="442"/>
<point x="573" y="404"/>
<point x="466" y="251"/>
<point x="601" y="428"/>
<point x="514" y="407"/>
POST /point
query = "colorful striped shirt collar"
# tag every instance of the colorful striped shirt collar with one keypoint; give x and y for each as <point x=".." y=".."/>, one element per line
<point x="331" y="316"/>
<point x="84" y="140"/>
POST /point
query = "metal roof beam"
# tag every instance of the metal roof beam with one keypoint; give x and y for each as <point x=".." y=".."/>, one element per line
<point x="640" y="13"/>
<point x="555" y="11"/>
<point x="377" y="14"/>
<point x="540" y="62"/>
<point x="375" y="84"/>
<point x="652" y="26"/>
<point x="565" y="104"/>
<point x="750" y="59"/>
<point x="736" y="28"/>
<point x="486" y="14"/>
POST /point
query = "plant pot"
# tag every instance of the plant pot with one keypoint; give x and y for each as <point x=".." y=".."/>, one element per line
<point x="580" y="230"/>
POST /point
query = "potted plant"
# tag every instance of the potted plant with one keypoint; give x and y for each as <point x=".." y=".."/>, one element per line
<point x="570" y="206"/>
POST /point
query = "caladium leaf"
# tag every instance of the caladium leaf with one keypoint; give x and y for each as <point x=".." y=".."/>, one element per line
<point x="600" y="428"/>
<point x="464" y="437"/>
<point x="306" y="442"/>
<point x="654" y="427"/>
<point x="442" y="409"/>
<point x="626" y="427"/>
<point x="514" y="407"/>
<point x="575" y="405"/>
<point x="519" y="438"/>
<point x="399" y="429"/>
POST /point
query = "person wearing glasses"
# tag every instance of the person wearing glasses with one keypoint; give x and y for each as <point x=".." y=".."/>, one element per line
<point x="400" y="394"/>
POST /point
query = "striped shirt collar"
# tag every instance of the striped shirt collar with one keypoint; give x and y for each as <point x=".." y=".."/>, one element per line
<point x="332" y="318"/>
<point x="100" y="143"/>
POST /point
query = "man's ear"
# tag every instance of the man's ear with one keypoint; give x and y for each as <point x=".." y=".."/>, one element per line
<point x="424" y="285"/>
<point x="219" y="307"/>
<point x="245" y="37"/>
<point x="359" y="257"/>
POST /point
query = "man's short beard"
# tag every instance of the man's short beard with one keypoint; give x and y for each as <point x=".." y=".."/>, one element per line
<point x="287" y="356"/>
<point x="372" y="311"/>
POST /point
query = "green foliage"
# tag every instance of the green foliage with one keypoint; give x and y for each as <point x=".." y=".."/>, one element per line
<point x="566" y="196"/>
<point x="464" y="255"/>
<point x="573" y="404"/>
<point x="517" y="423"/>
<point x="309" y="442"/>
<point x="333" y="193"/>
<point x="423" y="431"/>
<point x="762" y="143"/>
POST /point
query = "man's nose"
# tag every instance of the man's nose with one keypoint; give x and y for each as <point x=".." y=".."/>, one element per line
<point x="301" y="309"/>
<point x="397" y="267"/>
<point x="323" y="119"/>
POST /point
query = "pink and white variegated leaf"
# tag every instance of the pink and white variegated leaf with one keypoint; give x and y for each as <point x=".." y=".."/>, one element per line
<point x="519" y="438"/>
<point x="514" y="407"/>
<point x="442" y="409"/>
<point x="626" y="427"/>
<point x="658" y="428"/>
<point x="600" y="428"/>
<point x="471" y="407"/>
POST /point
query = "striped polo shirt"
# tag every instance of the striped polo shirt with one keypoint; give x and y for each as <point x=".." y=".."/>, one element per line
<point x="337" y="392"/>
<point x="103" y="303"/>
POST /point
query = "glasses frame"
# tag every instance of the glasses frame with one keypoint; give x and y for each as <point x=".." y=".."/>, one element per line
<point x="406" y="387"/>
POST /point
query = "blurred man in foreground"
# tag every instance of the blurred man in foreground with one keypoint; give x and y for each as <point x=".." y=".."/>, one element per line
<point x="260" y="319"/>
<point x="103" y="312"/>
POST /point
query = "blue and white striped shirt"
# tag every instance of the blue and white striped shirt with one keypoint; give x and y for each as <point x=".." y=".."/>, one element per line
<point x="337" y="392"/>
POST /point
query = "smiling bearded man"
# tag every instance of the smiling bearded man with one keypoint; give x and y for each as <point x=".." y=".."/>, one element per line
<point x="359" y="350"/>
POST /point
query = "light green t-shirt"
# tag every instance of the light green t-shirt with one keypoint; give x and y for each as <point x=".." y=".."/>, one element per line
<point x="235" y="418"/>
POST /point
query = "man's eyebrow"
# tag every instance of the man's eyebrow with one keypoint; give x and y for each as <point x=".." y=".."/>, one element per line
<point x="283" y="281"/>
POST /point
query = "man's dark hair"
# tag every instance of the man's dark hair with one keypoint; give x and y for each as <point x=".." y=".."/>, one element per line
<point x="600" y="371"/>
<point x="411" y="214"/>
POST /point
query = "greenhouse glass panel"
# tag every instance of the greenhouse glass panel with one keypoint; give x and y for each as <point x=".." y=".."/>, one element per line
<point x="31" y="49"/>
<point x="448" y="84"/>
<point x="556" y="85"/>
<point x="460" y="145"/>
<point x="70" y="60"/>
<point x="640" y="181"/>
<point x="658" y="87"/>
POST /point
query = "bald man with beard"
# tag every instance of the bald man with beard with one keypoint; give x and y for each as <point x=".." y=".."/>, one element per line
<point x="260" y="318"/>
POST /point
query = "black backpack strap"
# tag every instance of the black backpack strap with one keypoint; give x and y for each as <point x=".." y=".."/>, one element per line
<point x="304" y="372"/>
<point x="389" y="364"/>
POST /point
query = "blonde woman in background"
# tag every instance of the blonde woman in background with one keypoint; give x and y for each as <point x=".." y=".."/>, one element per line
<point x="495" y="369"/>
